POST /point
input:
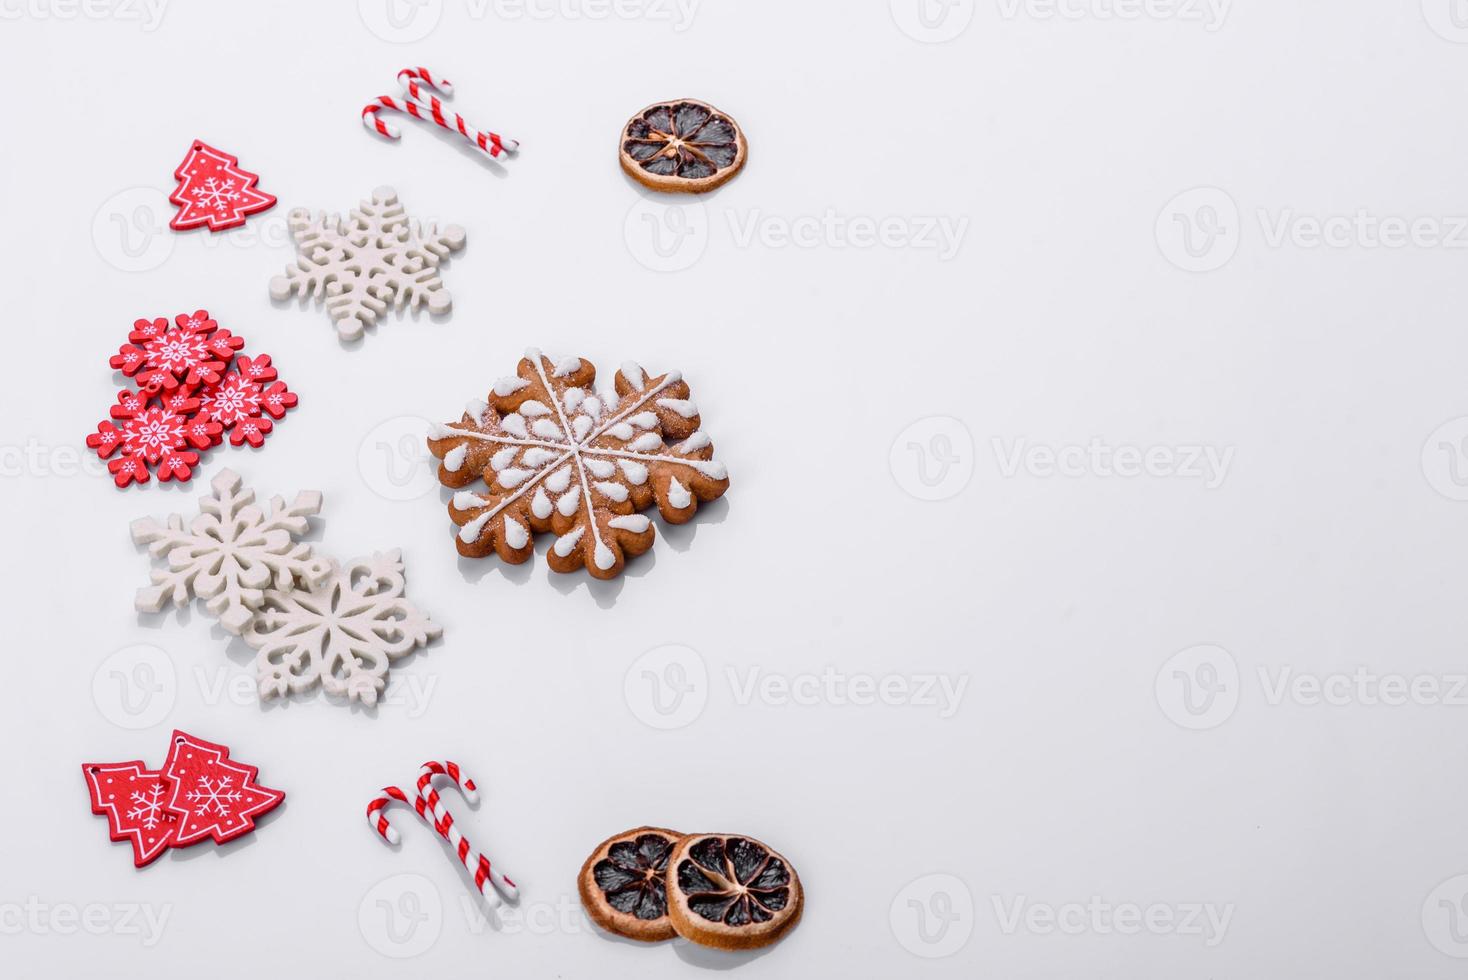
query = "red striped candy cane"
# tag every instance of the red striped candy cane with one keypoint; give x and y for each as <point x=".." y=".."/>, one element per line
<point x="420" y="103"/>
<point x="476" y="863"/>
<point x="379" y="820"/>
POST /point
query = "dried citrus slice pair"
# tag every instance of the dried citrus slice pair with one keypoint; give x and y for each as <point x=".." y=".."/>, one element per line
<point x="726" y="891"/>
<point x="684" y="147"/>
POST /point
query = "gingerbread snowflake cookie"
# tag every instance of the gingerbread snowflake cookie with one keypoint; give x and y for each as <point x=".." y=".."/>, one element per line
<point x="556" y="456"/>
<point x="375" y="259"/>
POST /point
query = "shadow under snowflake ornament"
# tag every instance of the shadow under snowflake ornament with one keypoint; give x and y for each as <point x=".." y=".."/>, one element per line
<point x="231" y="552"/>
<point x="376" y="259"/>
<point x="558" y="457"/>
<point x="343" y="634"/>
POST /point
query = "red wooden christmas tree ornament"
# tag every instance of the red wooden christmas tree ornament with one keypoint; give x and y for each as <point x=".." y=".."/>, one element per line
<point x="132" y="799"/>
<point x="213" y="796"/>
<point x="213" y="189"/>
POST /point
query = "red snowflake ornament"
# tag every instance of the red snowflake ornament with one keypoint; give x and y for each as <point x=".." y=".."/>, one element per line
<point x="245" y="401"/>
<point x="213" y="189"/>
<point x="192" y="350"/>
<point x="212" y="795"/>
<point x="133" y="798"/>
<point x="151" y="436"/>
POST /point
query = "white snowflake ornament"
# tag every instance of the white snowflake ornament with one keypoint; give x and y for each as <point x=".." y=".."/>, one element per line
<point x="343" y="633"/>
<point x="231" y="552"/>
<point x="375" y="259"/>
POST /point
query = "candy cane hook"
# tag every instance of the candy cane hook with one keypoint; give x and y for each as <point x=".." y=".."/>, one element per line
<point x="476" y="863"/>
<point x="420" y="103"/>
<point x="379" y="820"/>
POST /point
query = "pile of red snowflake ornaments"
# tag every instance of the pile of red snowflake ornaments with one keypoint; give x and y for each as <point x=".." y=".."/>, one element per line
<point x="194" y="387"/>
<point x="199" y="794"/>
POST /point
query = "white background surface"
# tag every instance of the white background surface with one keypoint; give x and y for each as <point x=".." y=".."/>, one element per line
<point x="1329" y="835"/>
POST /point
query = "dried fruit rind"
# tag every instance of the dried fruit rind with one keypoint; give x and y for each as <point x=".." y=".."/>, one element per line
<point x="731" y="892"/>
<point x="623" y="884"/>
<point x="684" y="146"/>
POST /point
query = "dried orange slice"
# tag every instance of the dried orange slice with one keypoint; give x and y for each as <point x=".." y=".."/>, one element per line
<point x="684" y="147"/>
<point x="623" y="884"/>
<point x="731" y="892"/>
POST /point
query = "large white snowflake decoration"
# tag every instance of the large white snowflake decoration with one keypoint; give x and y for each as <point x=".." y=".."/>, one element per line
<point x="375" y="259"/>
<point x="343" y="634"/>
<point x="558" y="457"/>
<point x="231" y="552"/>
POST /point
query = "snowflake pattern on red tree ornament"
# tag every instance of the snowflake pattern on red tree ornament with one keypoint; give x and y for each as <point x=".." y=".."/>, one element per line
<point x="213" y="795"/>
<point x="213" y="189"/>
<point x="199" y="794"/>
<point x="132" y="798"/>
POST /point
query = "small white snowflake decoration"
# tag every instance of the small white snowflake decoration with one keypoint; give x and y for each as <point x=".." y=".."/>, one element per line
<point x="231" y="552"/>
<point x="343" y="633"/>
<point x="375" y="259"/>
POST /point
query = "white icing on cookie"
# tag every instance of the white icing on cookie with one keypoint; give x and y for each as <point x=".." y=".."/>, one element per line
<point x="698" y="440"/>
<point x="467" y="500"/>
<point x="635" y="472"/>
<point x="566" y="542"/>
<point x="503" y="458"/>
<point x="569" y="502"/>
<point x="517" y="535"/>
<point x="567" y="366"/>
<point x="476" y="409"/>
<point x="682" y="406"/>
<point x="678" y="495"/>
<point x="599" y="468"/>
<point x="513" y="477"/>
<point x="644" y="420"/>
<point x="645" y="443"/>
<point x="540" y="504"/>
<point x="505" y="387"/>
<point x="632" y="371"/>
<point x="636" y="523"/>
<point x="603" y="557"/>
<point x="572" y="399"/>
<point x="622" y="430"/>
<point x="533" y="409"/>
<point x="515" y="426"/>
<point x="547" y="429"/>
<point x="453" y="460"/>
<point x="558" y="481"/>
<point x="612" y="491"/>
<point x="470" y="532"/>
